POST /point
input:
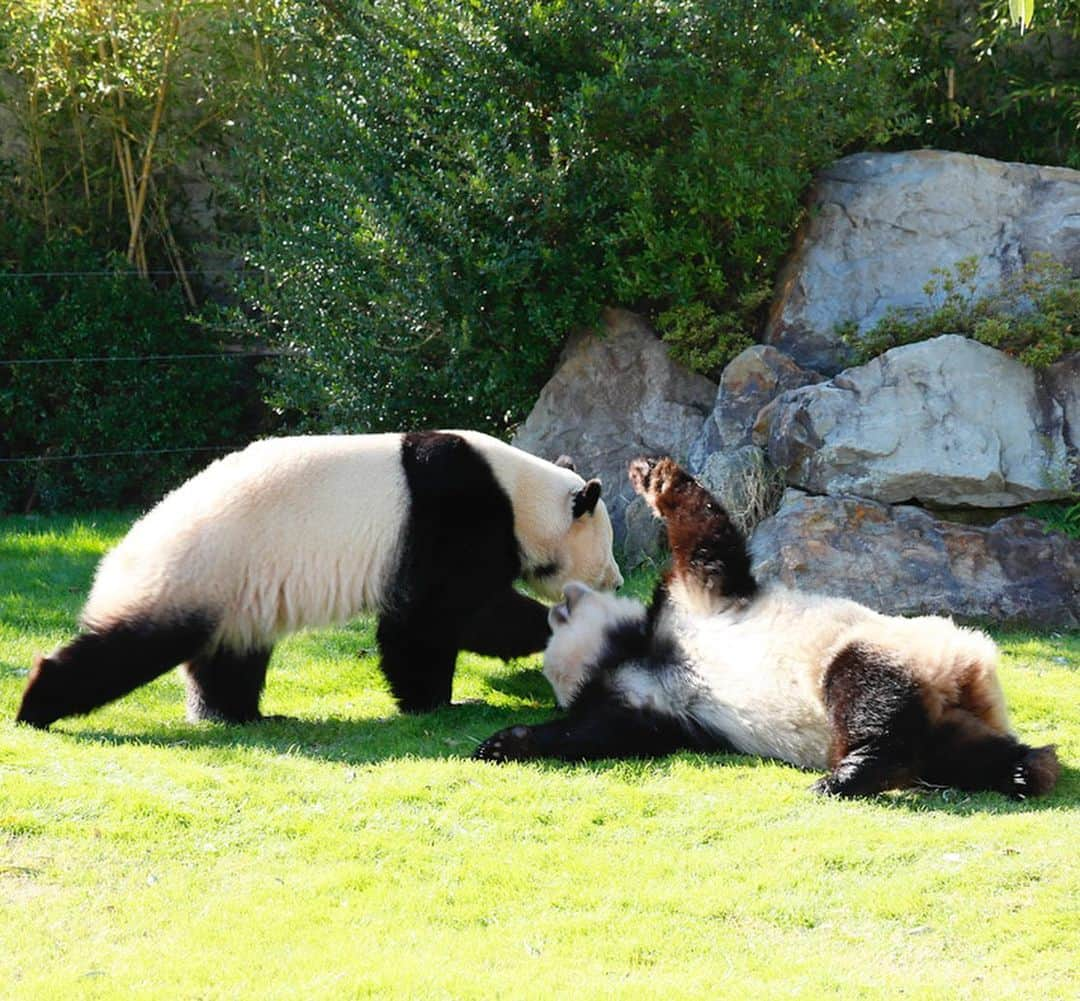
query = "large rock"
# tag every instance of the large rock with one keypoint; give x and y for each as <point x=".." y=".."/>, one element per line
<point x="614" y="397"/>
<point x="746" y="484"/>
<point x="14" y="146"/>
<point x="948" y="422"/>
<point x="902" y="560"/>
<point x="751" y="380"/>
<point x="644" y="536"/>
<point x="1060" y="386"/>
<point x="879" y="222"/>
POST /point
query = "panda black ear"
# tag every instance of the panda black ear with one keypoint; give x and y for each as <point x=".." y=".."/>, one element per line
<point x="585" y="499"/>
<point x="565" y="462"/>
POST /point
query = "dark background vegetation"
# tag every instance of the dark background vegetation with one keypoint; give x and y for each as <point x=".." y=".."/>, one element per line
<point x="415" y="203"/>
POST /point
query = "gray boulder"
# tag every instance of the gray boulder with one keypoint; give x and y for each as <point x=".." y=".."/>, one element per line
<point x="1060" y="388"/>
<point x="747" y="485"/>
<point x="748" y="383"/>
<point x="879" y="222"/>
<point x="615" y="396"/>
<point x="644" y="535"/>
<point x="902" y="560"/>
<point x="948" y="422"/>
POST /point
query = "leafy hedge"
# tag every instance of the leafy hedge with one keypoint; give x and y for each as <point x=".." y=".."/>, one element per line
<point x="56" y="410"/>
<point x="449" y="188"/>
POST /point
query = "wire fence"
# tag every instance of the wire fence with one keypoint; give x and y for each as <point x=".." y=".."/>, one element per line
<point x="101" y="359"/>
<point x="177" y="357"/>
<point x="116" y="273"/>
<point x="76" y="456"/>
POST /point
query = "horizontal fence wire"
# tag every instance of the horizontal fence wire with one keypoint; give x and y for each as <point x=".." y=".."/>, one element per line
<point x="92" y="359"/>
<point x="130" y="452"/>
<point x="126" y="274"/>
<point x="111" y="359"/>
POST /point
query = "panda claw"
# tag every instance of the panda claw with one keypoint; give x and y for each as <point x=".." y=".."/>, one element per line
<point x="639" y="471"/>
<point x="512" y="744"/>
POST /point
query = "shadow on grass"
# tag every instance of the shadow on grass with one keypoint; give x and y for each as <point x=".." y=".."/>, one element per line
<point x="454" y="732"/>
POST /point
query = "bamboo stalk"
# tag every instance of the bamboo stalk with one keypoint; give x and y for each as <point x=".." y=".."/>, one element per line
<point x="39" y="158"/>
<point x="77" y="123"/>
<point x="172" y="248"/>
<point x="155" y="125"/>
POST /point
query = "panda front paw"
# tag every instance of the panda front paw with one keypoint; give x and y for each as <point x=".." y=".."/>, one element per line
<point x="824" y="787"/>
<point x="513" y="744"/>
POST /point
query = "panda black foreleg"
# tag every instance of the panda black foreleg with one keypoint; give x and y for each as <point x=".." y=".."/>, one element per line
<point x="510" y="625"/>
<point x="608" y="731"/>
<point x="418" y="657"/>
<point x="709" y="553"/>
<point x="226" y="685"/>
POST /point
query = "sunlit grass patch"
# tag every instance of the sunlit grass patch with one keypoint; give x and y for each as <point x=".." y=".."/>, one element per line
<point x="352" y="852"/>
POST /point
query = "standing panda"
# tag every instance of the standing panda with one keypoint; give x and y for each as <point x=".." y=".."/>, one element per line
<point x="823" y="683"/>
<point x="427" y="530"/>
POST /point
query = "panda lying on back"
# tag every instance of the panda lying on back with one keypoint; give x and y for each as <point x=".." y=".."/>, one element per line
<point x="428" y="530"/>
<point x="718" y="664"/>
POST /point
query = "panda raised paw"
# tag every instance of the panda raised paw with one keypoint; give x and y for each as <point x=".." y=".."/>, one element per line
<point x="656" y="479"/>
<point x="512" y="744"/>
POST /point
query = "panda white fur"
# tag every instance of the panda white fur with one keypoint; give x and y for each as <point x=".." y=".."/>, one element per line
<point x="429" y="530"/>
<point x="716" y="663"/>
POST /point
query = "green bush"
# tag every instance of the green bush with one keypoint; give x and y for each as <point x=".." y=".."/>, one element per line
<point x="979" y="84"/>
<point x="449" y="189"/>
<point x="1062" y="516"/>
<point x="55" y="410"/>
<point x="1034" y="315"/>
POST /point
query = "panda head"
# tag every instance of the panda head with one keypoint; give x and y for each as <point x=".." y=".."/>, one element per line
<point x="585" y="630"/>
<point x="566" y="534"/>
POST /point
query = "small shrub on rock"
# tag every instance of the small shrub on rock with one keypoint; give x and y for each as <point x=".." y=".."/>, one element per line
<point x="1034" y="316"/>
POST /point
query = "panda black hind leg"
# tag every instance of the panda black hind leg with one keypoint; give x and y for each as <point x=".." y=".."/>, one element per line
<point x="225" y="685"/>
<point x="101" y="665"/>
<point x="878" y="720"/>
<point x="968" y="754"/>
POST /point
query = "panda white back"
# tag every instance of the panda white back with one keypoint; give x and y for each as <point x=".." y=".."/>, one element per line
<point x="752" y="673"/>
<point x="289" y="532"/>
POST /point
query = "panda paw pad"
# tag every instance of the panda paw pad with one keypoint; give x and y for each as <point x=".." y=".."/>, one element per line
<point x="512" y="744"/>
<point x="655" y="479"/>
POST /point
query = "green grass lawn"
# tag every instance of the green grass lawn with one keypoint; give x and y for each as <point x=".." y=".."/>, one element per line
<point x="353" y="852"/>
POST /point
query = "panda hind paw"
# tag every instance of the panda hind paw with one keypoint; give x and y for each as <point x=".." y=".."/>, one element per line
<point x="513" y="744"/>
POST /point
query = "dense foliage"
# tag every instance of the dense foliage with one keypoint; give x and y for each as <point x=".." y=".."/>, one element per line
<point x="452" y="187"/>
<point x="115" y="101"/>
<point x="980" y="85"/>
<point x="435" y="194"/>
<point x="56" y="409"/>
